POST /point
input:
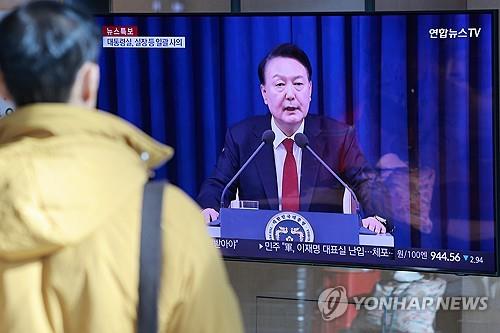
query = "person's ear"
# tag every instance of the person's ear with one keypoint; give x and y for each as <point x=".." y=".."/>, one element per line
<point x="84" y="91"/>
<point x="4" y="92"/>
<point x="263" y="92"/>
<point x="310" y="89"/>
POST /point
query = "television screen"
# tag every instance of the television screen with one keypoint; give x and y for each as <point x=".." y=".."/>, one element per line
<point x="401" y="107"/>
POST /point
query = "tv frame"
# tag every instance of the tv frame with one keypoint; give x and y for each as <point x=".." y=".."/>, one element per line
<point x="495" y="125"/>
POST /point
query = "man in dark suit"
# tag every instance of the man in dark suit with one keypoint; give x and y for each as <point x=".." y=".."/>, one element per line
<point x="282" y="176"/>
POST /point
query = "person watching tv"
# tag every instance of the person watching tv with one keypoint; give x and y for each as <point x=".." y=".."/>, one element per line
<point x="72" y="184"/>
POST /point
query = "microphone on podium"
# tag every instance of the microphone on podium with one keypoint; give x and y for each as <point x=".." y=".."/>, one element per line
<point x="267" y="137"/>
<point x="303" y="142"/>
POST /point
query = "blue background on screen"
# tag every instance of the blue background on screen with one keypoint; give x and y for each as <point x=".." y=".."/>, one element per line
<point x="426" y="100"/>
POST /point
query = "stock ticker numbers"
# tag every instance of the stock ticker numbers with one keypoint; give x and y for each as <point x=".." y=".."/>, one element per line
<point x="475" y="259"/>
<point x="426" y="255"/>
<point x="442" y="256"/>
<point x="445" y="256"/>
<point x="411" y="254"/>
<point x="456" y="257"/>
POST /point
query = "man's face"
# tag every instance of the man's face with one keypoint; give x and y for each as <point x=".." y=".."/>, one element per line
<point x="287" y="92"/>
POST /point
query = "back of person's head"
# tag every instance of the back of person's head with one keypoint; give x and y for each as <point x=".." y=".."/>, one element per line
<point x="286" y="50"/>
<point x="43" y="46"/>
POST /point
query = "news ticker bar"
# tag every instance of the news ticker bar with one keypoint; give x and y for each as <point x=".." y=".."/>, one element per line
<point x="470" y="261"/>
<point x="178" y="42"/>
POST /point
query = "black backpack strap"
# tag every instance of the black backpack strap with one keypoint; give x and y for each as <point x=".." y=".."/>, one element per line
<point x="150" y="258"/>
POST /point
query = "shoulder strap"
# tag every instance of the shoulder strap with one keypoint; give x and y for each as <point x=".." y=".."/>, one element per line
<point x="150" y="258"/>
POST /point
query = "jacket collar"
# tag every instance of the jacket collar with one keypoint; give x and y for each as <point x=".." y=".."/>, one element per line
<point x="46" y="120"/>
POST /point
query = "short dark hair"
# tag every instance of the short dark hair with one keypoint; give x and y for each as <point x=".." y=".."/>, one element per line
<point x="286" y="50"/>
<point x="43" y="45"/>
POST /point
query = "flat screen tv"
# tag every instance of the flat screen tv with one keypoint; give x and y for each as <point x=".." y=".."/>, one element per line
<point x="418" y="90"/>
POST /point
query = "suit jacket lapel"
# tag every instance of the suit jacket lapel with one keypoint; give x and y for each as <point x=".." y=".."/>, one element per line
<point x="310" y="166"/>
<point x="265" y="164"/>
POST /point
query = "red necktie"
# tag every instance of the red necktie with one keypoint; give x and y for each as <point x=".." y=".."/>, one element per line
<point x="290" y="184"/>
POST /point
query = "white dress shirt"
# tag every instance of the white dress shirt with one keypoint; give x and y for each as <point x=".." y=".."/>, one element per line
<point x="280" y="154"/>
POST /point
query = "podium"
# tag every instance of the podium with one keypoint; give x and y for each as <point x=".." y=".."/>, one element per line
<point x="313" y="227"/>
<point x="317" y="227"/>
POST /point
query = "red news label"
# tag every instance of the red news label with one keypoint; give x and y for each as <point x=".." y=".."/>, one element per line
<point x="118" y="30"/>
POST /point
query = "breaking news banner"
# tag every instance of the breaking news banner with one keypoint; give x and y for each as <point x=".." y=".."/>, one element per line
<point x="144" y="42"/>
<point x="117" y="30"/>
<point x="117" y="36"/>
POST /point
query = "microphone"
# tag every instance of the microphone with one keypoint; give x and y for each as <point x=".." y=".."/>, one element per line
<point x="267" y="137"/>
<point x="303" y="142"/>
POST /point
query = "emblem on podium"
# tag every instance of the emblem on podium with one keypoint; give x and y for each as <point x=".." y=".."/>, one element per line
<point x="289" y="227"/>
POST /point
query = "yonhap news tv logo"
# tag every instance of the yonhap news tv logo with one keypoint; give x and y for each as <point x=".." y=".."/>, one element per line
<point x="333" y="302"/>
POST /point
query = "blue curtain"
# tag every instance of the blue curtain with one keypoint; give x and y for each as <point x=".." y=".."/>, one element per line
<point x="426" y="100"/>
